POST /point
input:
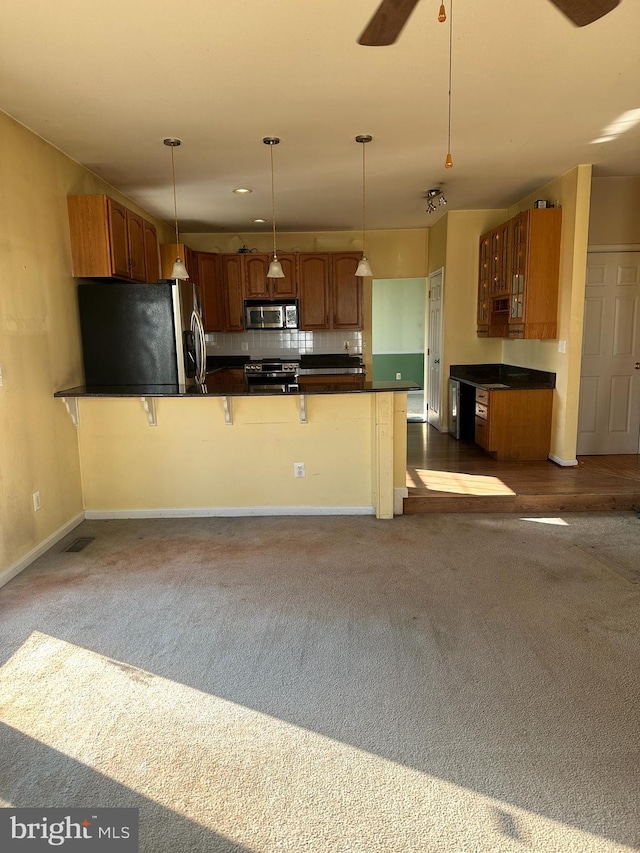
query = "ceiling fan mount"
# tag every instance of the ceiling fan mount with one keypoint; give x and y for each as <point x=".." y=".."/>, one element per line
<point x="391" y="15"/>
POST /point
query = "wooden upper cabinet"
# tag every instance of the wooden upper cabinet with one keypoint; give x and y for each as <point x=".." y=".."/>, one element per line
<point x="258" y="286"/>
<point x="346" y="291"/>
<point x="518" y="276"/>
<point x="287" y="287"/>
<point x="135" y="242"/>
<point x="484" y="279"/>
<point x="314" y="271"/>
<point x="212" y="292"/>
<point x="535" y="273"/>
<point x="232" y="272"/>
<point x="108" y="240"/>
<point x="151" y="254"/>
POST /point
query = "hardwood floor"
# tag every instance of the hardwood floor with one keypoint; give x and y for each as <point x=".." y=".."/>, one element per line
<point x="445" y="475"/>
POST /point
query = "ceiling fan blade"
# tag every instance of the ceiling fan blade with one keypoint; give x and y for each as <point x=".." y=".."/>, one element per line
<point x="387" y="22"/>
<point x="583" y="12"/>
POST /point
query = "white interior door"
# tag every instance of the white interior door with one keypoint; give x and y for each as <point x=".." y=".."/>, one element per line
<point x="434" y="342"/>
<point x="609" y="411"/>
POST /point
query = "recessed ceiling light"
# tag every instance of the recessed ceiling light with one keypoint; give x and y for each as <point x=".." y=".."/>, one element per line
<point x="259" y="220"/>
<point x="242" y="190"/>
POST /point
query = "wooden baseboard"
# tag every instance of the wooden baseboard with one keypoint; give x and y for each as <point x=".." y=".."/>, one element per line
<point x="418" y="504"/>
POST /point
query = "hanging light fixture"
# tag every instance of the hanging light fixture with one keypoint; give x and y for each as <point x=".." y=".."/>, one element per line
<point x="275" y="269"/>
<point x="179" y="270"/>
<point x="442" y="14"/>
<point x="448" y="163"/>
<point x="364" y="267"/>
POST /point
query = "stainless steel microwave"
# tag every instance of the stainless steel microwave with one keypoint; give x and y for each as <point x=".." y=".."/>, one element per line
<point x="270" y="315"/>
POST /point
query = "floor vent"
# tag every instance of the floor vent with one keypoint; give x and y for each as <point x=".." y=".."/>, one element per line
<point x="80" y="544"/>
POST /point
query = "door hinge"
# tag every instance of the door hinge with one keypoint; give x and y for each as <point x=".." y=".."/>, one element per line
<point x="428" y="351"/>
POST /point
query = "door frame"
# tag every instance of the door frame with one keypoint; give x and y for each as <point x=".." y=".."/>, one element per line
<point x="427" y="361"/>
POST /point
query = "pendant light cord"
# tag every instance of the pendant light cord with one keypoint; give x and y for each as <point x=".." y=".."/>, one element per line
<point x="450" y="66"/>
<point x="175" y="203"/>
<point x="364" y="196"/>
<point x="273" y="203"/>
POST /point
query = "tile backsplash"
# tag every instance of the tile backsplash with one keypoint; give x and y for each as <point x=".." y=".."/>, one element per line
<point x="282" y="344"/>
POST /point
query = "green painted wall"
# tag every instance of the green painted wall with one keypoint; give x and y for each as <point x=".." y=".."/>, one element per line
<point x="409" y="364"/>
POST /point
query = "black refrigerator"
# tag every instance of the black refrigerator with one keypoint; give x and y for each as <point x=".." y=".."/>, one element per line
<point x="141" y="334"/>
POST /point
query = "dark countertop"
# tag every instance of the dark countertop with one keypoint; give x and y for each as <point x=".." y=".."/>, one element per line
<point x="502" y="377"/>
<point x="231" y="390"/>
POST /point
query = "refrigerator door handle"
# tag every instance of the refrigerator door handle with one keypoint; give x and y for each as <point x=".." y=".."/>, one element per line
<point x="200" y="347"/>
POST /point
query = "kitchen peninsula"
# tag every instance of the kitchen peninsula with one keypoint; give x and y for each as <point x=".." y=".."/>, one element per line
<point x="154" y="451"/>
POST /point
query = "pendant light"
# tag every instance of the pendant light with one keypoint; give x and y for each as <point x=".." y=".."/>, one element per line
<point x="448" y="163"/>
<point x="364" y="267"/>
<point x="275" y="269"/>
<point x="179" y="270"/>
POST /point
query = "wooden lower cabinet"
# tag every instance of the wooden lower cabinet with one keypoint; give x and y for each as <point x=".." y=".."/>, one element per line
<point x="332" y="382"/>
<point x="514" y="424"/>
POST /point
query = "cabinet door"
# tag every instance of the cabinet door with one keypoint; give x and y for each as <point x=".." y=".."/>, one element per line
<point x="287" y="287"/>
<point x="210" y="280"/>
<point x="484" y="277"/>
<point x="233" y="286"/>
<point x="313" y="285"/>
<point x="519" y="228"/>
<point x="119" y="247"/>
<point x="135" y="237"/>
<point x="256" y="285"/>
<point x="346" y="291"/>
<point x="151" y="258"/>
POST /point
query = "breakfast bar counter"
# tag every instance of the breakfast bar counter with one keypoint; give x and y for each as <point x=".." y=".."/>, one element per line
<point x="223" y="449"/>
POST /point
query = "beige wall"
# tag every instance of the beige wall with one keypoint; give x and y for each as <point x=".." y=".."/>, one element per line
<point x="615" y="211"/>
<point x="39" y="340"/>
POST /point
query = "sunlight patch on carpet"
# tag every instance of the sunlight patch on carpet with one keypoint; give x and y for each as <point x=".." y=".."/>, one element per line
<point x="264" y="783"/>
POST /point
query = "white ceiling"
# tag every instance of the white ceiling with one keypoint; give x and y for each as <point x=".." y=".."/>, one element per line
<point x="106" y="82"/>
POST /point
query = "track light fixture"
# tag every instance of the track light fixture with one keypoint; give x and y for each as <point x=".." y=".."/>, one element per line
<point x="431" y="196"/>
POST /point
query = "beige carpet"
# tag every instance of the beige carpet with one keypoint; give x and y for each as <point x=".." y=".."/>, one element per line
<point x="341" y="685"/>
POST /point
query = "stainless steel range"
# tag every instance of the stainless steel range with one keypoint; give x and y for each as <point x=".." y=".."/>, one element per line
<point x="272" y="374"/>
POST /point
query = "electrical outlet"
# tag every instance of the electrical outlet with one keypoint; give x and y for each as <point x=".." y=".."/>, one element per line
<point x="562" y="346"/>
<point x="398" y="376"/>
<point x="299" y="470"/>
<point x="36" y="501"/>
<point x="244" y="346"/>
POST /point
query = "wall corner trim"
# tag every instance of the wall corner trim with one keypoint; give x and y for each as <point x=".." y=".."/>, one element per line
<point x="565" y="463"/>
<point x="399" y="493"/>
<point x="40" y="549"/>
